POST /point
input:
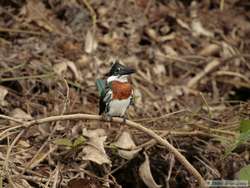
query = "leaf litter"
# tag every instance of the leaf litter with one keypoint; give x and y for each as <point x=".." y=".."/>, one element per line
<point x="188" y="55"/>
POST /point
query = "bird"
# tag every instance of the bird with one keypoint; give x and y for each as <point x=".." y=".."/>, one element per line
<point x="116" y="93"/>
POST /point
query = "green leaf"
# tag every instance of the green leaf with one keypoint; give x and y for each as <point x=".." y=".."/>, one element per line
<point x="114" y="148"/>
<point x="231" y="147"/>
<point x="244" y="173"/>
<point x="100" y="86"/>
<point x="78" y="141"/>
<point x="244" y="125"/>
<point x="243" y="138"/>
<point x="63" y="142"/>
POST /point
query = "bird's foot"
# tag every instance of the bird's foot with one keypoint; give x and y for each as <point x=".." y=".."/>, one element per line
<point x="107" y="117"/>
<point x="124" y="119"/>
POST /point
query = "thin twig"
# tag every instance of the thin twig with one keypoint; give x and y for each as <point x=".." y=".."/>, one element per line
<point x="9" y="129"/>
<point x="6" y="162"/>
<point x="21" y="31"/>
<point x="11" y="118"/>
<point x="214" y="64"/>
<point x="151" y="119"/>
<point x="236" y="74"/>
<point x="210" y="66"/>
<point x="27" y="77"/>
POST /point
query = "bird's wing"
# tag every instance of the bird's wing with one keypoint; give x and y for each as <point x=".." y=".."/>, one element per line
<point x="132" y="99"/>
<point x="105" y="99"/>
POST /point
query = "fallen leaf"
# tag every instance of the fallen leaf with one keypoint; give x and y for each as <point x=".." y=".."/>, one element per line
<point x="60" y="68"/>
<point x="125" y="141"/>
<point x="90" y="43"/>
<point x="63" y="142"/>
<point x="75" y="71"/>
<point x="94" y="150"/>
<point x="196" y="25"/>
<point x="227" y="50"/>
<point x="146" y="175"/>
<point x="93" y="133"/>
<point x="128" y="154"/>
<point x="20" y="114"/>
<point x="183" y="24"/>
<point x="244" y="173"/>
<point x="24" y="143"/>
<point x="159" y="69"/>
<point x="244" y="125"/>
<point x="210" y="50"/>
<point x="3" y="93"/>
<point x="78" y="141"/>
<point x="169" y="51"/>
<point x="126" y="146"/>
<point x="199" y="30"/>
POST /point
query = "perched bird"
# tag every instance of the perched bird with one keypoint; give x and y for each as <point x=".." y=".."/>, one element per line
<point x="116" y="93"/>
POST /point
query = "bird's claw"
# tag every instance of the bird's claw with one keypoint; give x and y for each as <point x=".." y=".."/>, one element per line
<point x="107" y="118"/>
<point x="124" y="119"/>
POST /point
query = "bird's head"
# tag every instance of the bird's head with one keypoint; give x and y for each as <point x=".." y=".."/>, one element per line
<point x="119" y="72"/>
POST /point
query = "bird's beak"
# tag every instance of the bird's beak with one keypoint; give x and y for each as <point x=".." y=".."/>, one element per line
<point x="127" y="71"/>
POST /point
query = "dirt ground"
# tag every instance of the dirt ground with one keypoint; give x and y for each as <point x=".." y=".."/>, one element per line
<point x="192" y="87"/>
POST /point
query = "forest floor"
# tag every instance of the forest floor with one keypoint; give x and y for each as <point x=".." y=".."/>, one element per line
<point x="192" y="87"/>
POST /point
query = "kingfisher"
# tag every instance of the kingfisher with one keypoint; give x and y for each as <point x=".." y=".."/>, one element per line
<point x="116" y="93"/>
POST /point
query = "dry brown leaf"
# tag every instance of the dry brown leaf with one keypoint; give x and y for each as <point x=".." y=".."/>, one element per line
<point x="166" y="38"/>
<point x="23" y="143"/>
<point x="94" y="151"/>
<point x="169" y="51"/>
<point x="146" y="175"/>
<point x="183" y="24"/>
<point x="159" y="69"/>
<point x="93" y="133"/>
<point x="74" y="69"/>
<point x="76" y="129"/>
<point x="126" y="142"/>
<point x="227" y="50"/>
<point x="196" y="25"/>
<point x="20" y="114"/>
<point x="173" y="93"/>
<point x="60" y="68"/>
<point x="84" y="60"/>
<point x="199" y="30"/>
<point x="152" y="34"/>
<point x="210" y="50"/>
<point x="90" y="43"/>
<point x="128" y="154"/>
<point x="3" y="93"/>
